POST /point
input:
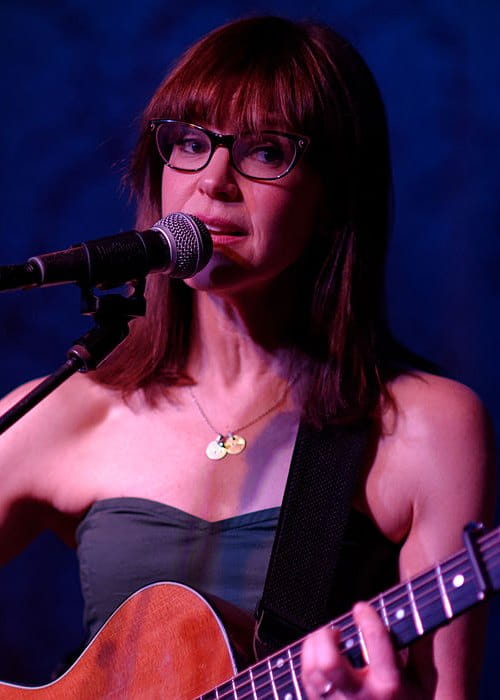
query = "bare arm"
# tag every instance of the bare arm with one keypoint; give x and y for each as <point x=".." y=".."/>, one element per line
<point x="445" y="450"/>
<point x="456" y="485"/>
<point x="29" y="451"/>
<point x="21" y="517"/>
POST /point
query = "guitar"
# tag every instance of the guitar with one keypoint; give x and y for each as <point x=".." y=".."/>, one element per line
<point x="167" y="642"/>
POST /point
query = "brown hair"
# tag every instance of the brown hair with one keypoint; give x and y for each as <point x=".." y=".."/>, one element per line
<point x="313" y="81"/>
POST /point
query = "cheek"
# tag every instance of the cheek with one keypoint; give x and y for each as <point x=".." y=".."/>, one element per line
<point x="173" y="191"/>
<point x="290" y="221"/>
<point x="164" y="188"/>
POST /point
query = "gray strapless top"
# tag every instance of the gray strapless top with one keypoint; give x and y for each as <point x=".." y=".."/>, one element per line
<point x="125" y="544"/>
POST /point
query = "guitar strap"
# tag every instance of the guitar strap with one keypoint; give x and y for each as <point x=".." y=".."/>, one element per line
<point x="316" y="505"/>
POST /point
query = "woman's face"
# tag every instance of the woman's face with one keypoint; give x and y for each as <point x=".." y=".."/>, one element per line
<point x="259" y="228"/>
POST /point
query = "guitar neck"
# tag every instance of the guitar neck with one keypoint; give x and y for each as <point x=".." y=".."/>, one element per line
<point x="430" y="600"/>
<point x="409" y="611"/>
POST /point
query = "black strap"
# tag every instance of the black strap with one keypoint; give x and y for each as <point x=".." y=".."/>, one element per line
<point x="316" y="504"/>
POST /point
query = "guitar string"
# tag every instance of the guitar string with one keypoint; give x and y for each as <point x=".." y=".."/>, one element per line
<point x="394" y="602"/>
<point x="426" y="597"/>
<point x="291" y="658"/>
<point x="447" y="569"/>
<point x="421" y="593"/>
<point x="454" y="562"/>
<point x="277" y="675"/>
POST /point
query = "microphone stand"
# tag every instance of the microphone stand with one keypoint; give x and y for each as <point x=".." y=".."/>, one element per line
<point x="112" y="314"/>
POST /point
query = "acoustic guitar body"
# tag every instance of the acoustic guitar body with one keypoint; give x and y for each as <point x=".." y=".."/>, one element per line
<point x="164" y="642"/>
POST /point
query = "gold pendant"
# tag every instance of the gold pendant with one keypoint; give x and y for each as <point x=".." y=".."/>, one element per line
<point x="234" y="444"/>
<point x="216" y="449"/>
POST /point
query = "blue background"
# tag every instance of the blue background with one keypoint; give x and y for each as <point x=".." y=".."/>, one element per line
<point x="75" y="75"/>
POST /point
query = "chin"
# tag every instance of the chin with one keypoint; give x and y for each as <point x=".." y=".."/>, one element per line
<point x="220" y="273"/>
<point x="225" y="277"/>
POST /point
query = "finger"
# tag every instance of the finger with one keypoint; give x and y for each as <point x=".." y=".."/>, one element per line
<point x="324" y="668"/>
<point x="319" y="655"/>
<point x="384" y="667"/>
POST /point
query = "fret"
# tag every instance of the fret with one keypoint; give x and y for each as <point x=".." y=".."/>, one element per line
<point x="350" y="643"/>
<point x="381" y="610"/>
<point x="259" y="682"/>
<point x="226" y="690"/>
<point x="273" y="686"/>
<point x="442" y="592"/>
<point x="428" y="600"/>
<point x="211" y="695"/>
<point x="471" y="534"/>
<point x="295" y="680"/>
<point x="243" y="685"/>
<point x="362" y="646"/>
<point x="254" y="692"/>
<point x="460" y="586"/>
<point x="414" y="610"/>
<point x="400" y="615"/>
<point x="284" y="681"/>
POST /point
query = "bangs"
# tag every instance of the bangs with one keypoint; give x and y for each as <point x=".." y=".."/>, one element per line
<point x="244" y="102"/>
<point x="254" y="76"/>
<point x="269" y="72"/>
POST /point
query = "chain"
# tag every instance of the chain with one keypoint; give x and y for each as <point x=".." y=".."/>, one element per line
<point x="250" y="423"/>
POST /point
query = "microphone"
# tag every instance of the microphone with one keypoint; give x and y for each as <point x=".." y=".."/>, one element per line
<point x="178" y="245"/>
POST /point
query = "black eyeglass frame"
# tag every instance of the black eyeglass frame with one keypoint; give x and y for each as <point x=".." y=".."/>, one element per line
<point x="227" y="141"/>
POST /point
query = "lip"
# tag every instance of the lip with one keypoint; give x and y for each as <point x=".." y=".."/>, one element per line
<point x="222" y="230"/>
<point x="221" y="239"/>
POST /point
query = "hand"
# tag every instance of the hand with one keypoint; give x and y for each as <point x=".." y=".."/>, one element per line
<point x="326" y="673"/>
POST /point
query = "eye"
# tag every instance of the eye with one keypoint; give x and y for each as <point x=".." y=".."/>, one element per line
<point x="267" y="153"/>
<point x="191" y="145"/>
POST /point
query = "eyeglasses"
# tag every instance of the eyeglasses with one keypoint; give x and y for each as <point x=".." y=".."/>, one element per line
<point x="264" y="155"/>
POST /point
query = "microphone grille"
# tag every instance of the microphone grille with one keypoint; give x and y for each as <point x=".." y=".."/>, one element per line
<point x="190" y="243"/>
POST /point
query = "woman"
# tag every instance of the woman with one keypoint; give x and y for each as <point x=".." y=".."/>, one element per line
<point x="192" y="421"/>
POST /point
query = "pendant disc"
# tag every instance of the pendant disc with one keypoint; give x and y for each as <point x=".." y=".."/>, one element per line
<point x="235" y="444"/>
<point x="215" y="450"/>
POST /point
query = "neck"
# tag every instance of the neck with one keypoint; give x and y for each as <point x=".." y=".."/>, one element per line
<point x="241" y="362"/>
<point x="249" y="333"/>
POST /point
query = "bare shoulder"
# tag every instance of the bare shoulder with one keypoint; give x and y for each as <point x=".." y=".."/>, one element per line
<point x="34" y="454"/>
<point x="442" y="417"/>
<point x="443" y="443"/>
<point x="435" y="461"/>
<point x="31" y="446"/>
<point x="30" y="452"/>
<point x="69" y="408"/>
<point x="448" y="420"/>
<point x="424" y="395"/>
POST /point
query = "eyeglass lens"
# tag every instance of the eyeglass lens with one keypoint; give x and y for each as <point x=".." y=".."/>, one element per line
<point x="261" y="155"/>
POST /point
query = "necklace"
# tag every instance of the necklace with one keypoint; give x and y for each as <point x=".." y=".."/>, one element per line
<point x="232" y="443"/>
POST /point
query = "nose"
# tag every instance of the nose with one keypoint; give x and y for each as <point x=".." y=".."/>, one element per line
<point x="217" y="179"/>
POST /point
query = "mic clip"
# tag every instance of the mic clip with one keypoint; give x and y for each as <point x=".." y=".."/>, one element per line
<point x="112" y="314"/>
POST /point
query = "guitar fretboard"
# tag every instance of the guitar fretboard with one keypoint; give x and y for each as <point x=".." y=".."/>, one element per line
<point x="409" y="611"/>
